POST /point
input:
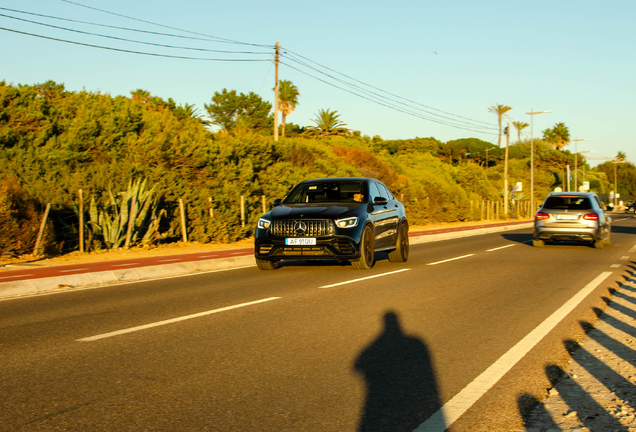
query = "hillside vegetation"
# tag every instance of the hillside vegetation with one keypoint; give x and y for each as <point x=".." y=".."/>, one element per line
<point x="54" y="142"/>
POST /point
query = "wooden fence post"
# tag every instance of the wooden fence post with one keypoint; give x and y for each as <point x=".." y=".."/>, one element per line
<point x="264" y="206"/>
<point x="184" y="233"/>
<point x="131" y="222"/>
<point x="42" y="225"/>
<point x="211" y="209"/>
<point x="81" y="221"/>
<point x="242" y="211"/>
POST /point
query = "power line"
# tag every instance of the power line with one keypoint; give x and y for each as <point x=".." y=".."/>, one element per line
<point x="348" y="84"/>
<point x="131" y="40"/>
<point x="391" y="103"/>
<point x="164" y="26"/>
<point x="488" y="125"/>
<point x="206" y="39"/>
<point x="386" y="104"/>
<point x="130" y="51"/>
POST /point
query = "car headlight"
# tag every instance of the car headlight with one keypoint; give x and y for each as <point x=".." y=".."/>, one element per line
<point x="347" y="222"/>
<point x="263" y="223"/>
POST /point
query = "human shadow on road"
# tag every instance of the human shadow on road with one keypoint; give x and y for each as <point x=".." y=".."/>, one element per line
<point x="400" y="380"/>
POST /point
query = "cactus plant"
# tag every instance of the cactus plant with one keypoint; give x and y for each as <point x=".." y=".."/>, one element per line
<point x="112" y="223"/>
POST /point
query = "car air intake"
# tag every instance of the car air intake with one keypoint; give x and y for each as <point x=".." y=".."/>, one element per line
<point x="302" y="228"/>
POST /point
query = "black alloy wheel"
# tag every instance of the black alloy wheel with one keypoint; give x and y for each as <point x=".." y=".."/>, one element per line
<point x="367" y="253"/>
<point x="401" y="252"/>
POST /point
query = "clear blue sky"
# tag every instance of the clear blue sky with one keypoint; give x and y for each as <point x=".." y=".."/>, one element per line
<point x="575" y="58"/>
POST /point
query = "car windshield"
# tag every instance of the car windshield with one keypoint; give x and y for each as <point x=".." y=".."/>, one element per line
<point x="568" y="203"/>
<point x="332" y="191"/>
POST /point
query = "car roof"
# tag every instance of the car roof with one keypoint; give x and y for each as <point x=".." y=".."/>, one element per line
<point x="581" y="194"/>
<point x="319" y="180"/>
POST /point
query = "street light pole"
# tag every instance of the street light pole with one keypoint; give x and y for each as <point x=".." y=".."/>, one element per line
<point x="576" y="157"/>
<point x="532" y="114"/>
<point x="585" y="163"/>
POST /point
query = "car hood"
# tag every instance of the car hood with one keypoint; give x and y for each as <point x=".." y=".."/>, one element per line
<point x="308" y="211"/>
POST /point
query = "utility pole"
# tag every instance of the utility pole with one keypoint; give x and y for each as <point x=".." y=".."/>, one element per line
<point x="506" y="171"/>
<point x="276" y="95"/>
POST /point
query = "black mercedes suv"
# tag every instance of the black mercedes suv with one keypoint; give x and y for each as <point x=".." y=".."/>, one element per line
<point x="333" y="218"/>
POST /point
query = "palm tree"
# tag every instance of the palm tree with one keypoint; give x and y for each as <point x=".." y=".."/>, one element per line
<point x="500" y="111"/>
<point x="327" y="123"/>
<point x="519" y="125"/>
<point x="559" y="136"/>
<point x="189" y="110"/>
<point x="287" y="99"/>
<point x="140" y="95"/>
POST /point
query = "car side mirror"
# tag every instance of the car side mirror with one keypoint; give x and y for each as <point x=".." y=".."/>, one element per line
<point x="277" y="202"/>
<point x="380" y="201"/>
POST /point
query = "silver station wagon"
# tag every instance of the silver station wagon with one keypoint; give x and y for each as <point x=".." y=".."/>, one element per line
<point x="572" y="216"/>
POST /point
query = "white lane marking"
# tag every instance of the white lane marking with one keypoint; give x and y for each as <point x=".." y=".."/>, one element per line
<point x="633" y="249"/>
<point x="239" y="253"/>
<point x="615" y="265"/>
<point x="501" y="247"/>
<point x="124" y="265"/>
<point x="462" y="401"/>
<point x="208" y="256"/>
<point x="364" y="278"/>
<point x="13" y="277"/>
<point x="72" y="270"/>
<point x="451" y="259"/>
<point x="173" y="320"/>
<point x="170" y="260"/>
<point x="625" y="257"/>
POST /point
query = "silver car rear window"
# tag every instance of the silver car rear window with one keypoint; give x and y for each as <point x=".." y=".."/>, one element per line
<point x="568" y="203"/>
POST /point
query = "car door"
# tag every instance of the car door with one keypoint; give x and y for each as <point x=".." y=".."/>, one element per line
<point x="384" y="215"/>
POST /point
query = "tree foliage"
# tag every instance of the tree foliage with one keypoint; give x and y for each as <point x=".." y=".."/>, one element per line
<point x="54" y="142"/>
<point x="234" y="111"/>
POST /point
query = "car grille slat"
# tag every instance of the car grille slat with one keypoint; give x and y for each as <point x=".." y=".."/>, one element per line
<point x="313" y="228"/>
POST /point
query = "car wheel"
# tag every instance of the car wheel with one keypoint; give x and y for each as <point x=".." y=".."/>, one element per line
<point x="599" y="244"/>
<point x="538" y="243"/>
<point x="401" y="252"/>
<point x="365" y="262"/>
<point x="267" y="265"/>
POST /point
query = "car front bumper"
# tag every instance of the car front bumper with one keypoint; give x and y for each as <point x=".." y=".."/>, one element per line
<point x="275" y="249"/>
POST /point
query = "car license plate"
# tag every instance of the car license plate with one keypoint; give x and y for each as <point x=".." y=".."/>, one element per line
<point x="567" y="217"/>
<point x="300" y="241"/>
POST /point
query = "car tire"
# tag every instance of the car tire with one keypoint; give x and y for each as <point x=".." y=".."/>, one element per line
<point x="538" y="243"/>
<point x="367" y="253"/>
<point x="267" y="265"/>
<point x="598" y="244"/>
<point x="401" y="252"/>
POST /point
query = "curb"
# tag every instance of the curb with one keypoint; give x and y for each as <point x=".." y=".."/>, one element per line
<point x="95" y="279"/>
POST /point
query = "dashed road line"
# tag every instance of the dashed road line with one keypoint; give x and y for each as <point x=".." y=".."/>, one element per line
<point x="451" y="259"/>
<point x="173" y="320"/>
<point x="364" y="278"/>
<point x="170" y="260"/>
<point x="501" y="247"/>
<point x="124" y="265"/>
<point x="72" y="270"/>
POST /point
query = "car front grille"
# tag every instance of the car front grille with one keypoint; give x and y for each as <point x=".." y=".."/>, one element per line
<point x="302" y="228"/>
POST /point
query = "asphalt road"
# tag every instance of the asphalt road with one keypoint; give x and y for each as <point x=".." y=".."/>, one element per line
<point x="307" y="347"/>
